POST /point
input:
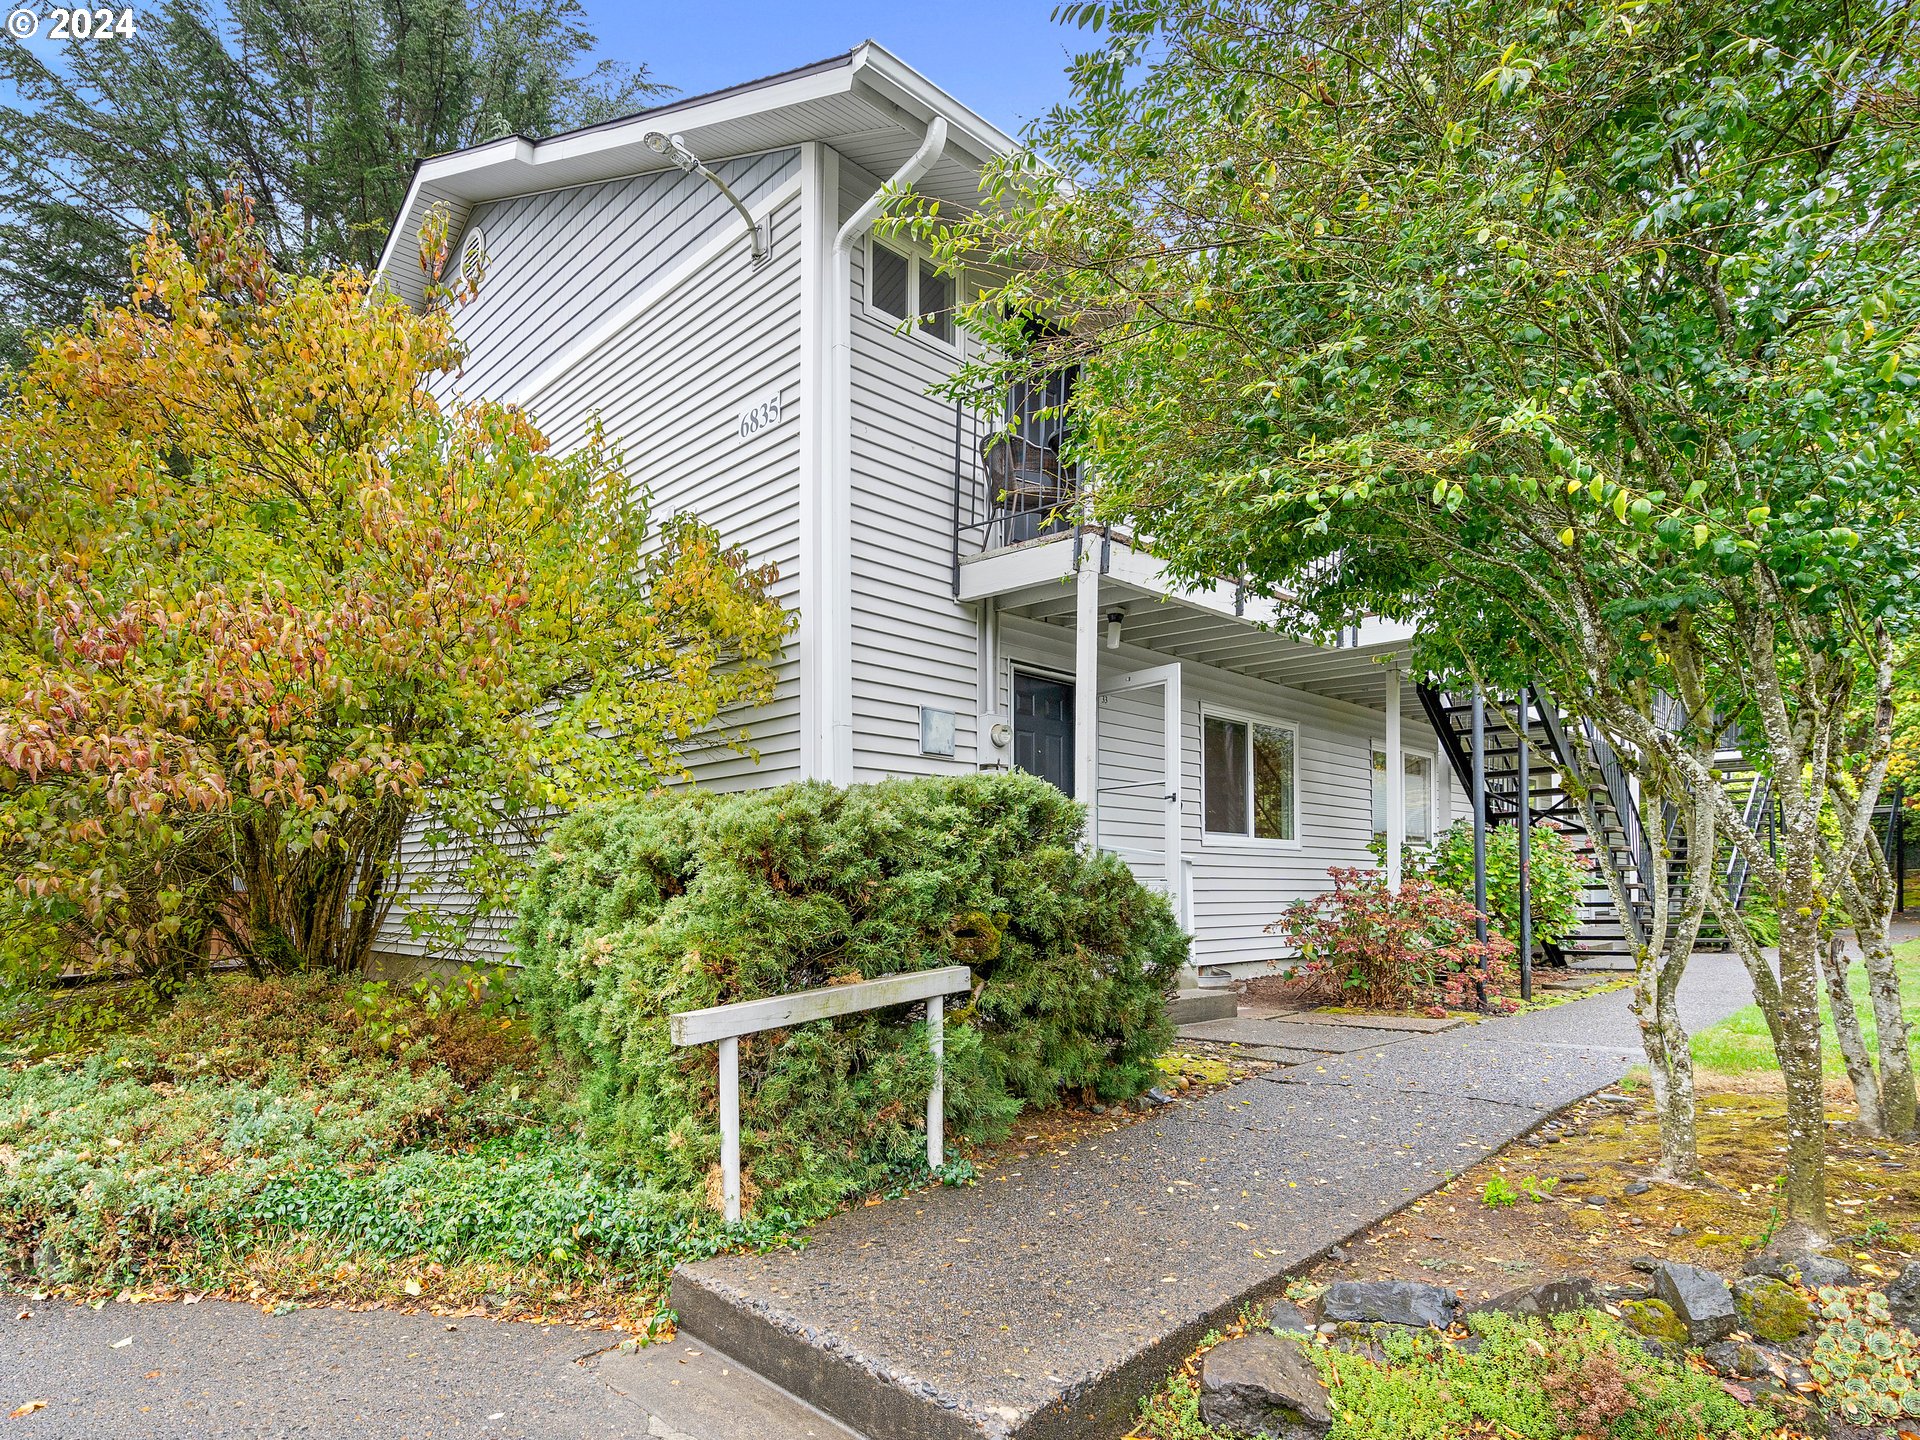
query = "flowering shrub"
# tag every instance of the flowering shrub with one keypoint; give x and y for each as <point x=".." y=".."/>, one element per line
<point x="1417" y="947"/>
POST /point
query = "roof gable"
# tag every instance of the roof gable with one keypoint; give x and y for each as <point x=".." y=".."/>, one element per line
<point x="869" y="105"/>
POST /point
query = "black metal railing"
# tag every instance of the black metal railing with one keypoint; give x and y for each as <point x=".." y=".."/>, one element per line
<point x="1626" y="813"/>
<point x="1012" y="482"/>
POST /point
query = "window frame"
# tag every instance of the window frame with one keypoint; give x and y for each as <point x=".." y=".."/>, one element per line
<point x="1233" y="840"/>
<point x="914" y="324"/>
<point x="1379" y="747"/>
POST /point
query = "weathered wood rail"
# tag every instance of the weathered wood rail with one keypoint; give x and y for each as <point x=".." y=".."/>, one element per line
<point x="723" y="1025"/>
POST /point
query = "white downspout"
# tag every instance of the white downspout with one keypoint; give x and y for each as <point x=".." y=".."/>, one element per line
<point x="833" y="555"/>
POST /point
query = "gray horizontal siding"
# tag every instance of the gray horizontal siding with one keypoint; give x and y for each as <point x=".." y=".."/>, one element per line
<point x="1238" y="887"/>
<point x="913" y="644"/>
<point x="560" y="262"/>
<point x="668" y="390"/>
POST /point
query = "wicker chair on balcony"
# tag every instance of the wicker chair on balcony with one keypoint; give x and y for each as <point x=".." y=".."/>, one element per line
<point x="1029" y="488"/>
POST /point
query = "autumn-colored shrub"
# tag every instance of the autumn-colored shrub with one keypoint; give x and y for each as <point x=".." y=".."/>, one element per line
<point x="643" y="908"/>
<point x="1374" y="947"/>
<point x="268" y="607"/>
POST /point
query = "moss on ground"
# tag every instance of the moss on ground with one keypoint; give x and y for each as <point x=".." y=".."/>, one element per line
<point x="1655" y="1320"/>
<point x="1773" y="1310"/>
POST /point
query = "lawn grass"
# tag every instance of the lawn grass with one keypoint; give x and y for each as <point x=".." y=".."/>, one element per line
<point x="1739" y="1044"/>
<point x="308" y="1137"/>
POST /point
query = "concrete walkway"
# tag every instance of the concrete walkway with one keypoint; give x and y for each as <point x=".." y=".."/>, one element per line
<point x="222" y="1371"/>
<point x="1045" y="1301"/>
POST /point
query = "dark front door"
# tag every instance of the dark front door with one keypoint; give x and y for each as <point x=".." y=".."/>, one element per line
<point x="1043" y="728"/>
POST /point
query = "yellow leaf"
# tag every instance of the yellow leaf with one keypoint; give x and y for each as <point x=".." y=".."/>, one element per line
<point x="27" y="1409"/>
<point x="1566" y="537"/>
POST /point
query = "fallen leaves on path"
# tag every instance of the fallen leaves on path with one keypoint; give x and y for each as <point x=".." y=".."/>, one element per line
<point x="22" y="1411"/>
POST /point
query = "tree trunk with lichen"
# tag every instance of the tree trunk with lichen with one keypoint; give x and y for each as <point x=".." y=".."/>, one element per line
<point x="1658" y="965"/>
<point x="1893" y="1034"/>
<point x="1799" y="1046"/>
<point x="1871" y="1119"/>
<point x="1868" y="896"/>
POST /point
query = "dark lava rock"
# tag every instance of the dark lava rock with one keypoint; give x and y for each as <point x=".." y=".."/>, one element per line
<point x="1263" y="1385"/>
<point x="1750" y="1360"/>
<point x="1285" y="1315"/>
<point x="1645" y="1264"/>
<point x="1397" y="1302"/>
<point x="1638" y="1187"/>
<point x="1554" y="1297"/>
<point x="1802" y="1267"/>
<point x="1903" y="1297"/>
<point x="1700" y="1299"/>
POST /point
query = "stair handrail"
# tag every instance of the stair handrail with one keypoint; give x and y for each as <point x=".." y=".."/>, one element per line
<point x="1599" y="756"/>
<point x="1619" y="787"/>
<point x="1752" y="815"/>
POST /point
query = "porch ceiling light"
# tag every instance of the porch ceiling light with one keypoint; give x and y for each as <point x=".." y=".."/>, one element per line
<point x="673" y="149"/>
<point x="1114" y="617"/>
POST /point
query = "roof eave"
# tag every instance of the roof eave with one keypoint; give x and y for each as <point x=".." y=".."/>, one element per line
<point x="867" y="66"/>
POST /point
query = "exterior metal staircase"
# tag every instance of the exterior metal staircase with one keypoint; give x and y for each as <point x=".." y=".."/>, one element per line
<point x="1560" y="751"/>
<point x="1602" y="941"/>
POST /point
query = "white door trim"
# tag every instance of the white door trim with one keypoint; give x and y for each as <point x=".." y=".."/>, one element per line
<point x="1167" y="678"/>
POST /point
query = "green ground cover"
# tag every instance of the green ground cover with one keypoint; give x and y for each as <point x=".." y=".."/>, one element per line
<point x="1738" y="1045"/>
<point x="1577" y="1375"/>
<point x="308" y="1136"/>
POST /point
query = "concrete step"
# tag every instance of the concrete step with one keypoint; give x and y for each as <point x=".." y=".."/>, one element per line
<point x="1603" y="964"/>
<point x="690" y="1391"/>
<point x="1190" y="1007"/>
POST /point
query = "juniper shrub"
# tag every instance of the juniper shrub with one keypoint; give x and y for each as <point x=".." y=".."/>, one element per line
<point x="645" y="907"/>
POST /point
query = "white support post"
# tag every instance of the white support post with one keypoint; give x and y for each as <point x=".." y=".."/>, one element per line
<point x="1086" y="688"/>
<point x="1171" y="758"/>
<point x="730" y="1125"/>
<point x="937" y="1097"/>
<point x="1396" y="785"/>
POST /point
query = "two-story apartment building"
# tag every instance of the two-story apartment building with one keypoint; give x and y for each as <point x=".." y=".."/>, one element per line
<point x="768" y="365"/>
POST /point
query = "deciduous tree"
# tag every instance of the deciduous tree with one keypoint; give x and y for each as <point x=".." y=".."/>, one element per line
<point x="1582" y="335"/>
<point x="265" y="605"/>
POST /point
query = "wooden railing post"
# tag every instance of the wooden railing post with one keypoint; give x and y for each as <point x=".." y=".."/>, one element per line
<point x="730" y="1125"/>
<point x="937" y="1096"/>
<point x="723" y="1025"/>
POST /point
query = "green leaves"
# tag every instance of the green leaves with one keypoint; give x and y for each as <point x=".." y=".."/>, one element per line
<point x="694" y="899"/>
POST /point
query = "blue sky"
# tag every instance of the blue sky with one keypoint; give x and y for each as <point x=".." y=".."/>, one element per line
<point x="1005" y="58"/>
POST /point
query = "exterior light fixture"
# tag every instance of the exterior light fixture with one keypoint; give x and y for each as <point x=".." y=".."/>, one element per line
<point x="673" y="149"/>
<point x="1114" y="617"/>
